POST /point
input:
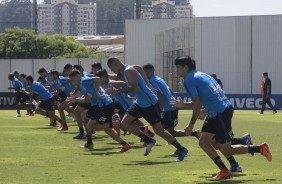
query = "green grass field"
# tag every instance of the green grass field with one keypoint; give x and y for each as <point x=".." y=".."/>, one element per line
<point x="32" y="152"/>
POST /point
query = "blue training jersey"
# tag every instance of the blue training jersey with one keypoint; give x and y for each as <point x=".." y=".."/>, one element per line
<point x="62" y="82"/>
<point x="17" y="84"/>
<point x="208" y="90"/>
<point x="40" y="90"/>
<point x="145" y="97"/>
<point x="87" y="85"/>
<point x="160" y="85"/>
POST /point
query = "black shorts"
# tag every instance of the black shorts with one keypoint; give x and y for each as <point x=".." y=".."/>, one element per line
<point x="91" y="111"/>
<point x="169" y="118"/>
<point x="35" y="97"/>
<point x="62" y="96"/>
<point x="119" y="109"/>
<point x="84" y="105"/>
<point x="47" y="105"/>
<point x="150" y="114"/>
<point x="104" y="114"/>
<point x="21" y="97"/>
<point x="220" y="125"/>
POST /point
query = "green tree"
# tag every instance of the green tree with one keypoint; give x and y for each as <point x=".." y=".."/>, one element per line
<point x="24" y="44"/>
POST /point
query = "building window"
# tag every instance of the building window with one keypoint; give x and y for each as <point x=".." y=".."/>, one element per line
<point x="169" y="70"/>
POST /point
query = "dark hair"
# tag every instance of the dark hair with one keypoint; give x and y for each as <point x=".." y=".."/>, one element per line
<point x="79" y="68"/>
<point x="41" y="79"/>
<point x="148" y="66"/>
<point x="74" y="73"/>
<point x="96" y="65"/>
<point x="67" y="66"/>
<point x="23" y="75"/>
<point x="41" y="70"/>
<point x="112" y="60"/>
<point x="265" y="74"/>
<point x="16" y="73"/>
<point x="11" y="76"/>
<point x="29" y="78"/>
<point x="102" y="73"/>
<point x="186" y="60"/>
<point x="55" y="72"/>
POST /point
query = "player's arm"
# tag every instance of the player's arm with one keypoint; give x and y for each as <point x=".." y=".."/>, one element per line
<point x="180" y="104"/>
<point x="196" y="112"/>
<point x="97" y="82"/>
<point x="73" y="99"/>
<point x="30" y="94"/>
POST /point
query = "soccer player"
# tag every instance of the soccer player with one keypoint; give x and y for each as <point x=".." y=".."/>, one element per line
<point x="46" y="106"/>
<point x="101" y="110"/>
<point x="95" y="67"/>
<point x="217" y="130"/>
<point x="146" y="106"/>
<point x="21" y="98"/>
<point x="62" y="88"/>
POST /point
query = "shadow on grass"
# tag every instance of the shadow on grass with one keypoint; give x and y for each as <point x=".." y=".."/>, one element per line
<point x="209" y="176"/>
<point x="147" y="162"/>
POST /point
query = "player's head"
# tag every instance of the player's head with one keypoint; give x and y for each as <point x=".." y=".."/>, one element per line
<point x="75" y="77"/>
<point x="42" y="72"/>
<point x="16" y="74"/>
<point x="115" y="65"/>
<point x="149" y="70"/>
<point x="265" y="74"/>
<point x="79" y="68"/>
<point x="103" y="74"/>
<point x="54" y="75"/>
<point x="67" y="69"/>
<point x="213" y="75"/>
<point x="11" y="76"/>
<point x="96" y="67"/>
<point x="29" y="80"/>
<point x="41" y="79"/>
<point x="184" y="65"/>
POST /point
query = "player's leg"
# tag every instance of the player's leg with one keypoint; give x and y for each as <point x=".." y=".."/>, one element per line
<point x="78" y="117"/>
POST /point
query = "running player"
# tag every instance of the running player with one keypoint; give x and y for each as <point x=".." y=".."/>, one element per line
<point x="217" y="130"/>
<point x="146" y="106"/>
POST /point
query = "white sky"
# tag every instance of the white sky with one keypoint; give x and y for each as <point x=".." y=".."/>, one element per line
<point x="209" y="8"/>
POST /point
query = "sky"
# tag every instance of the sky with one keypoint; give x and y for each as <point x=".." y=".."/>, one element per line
<point x="210" y="8"/>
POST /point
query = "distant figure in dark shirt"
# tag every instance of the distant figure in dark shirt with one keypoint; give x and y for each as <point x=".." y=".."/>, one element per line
<point x="217" y="80"/>
<point x="266" y="94"/>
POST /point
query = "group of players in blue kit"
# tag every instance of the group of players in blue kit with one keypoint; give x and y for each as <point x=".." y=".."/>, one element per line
<point x="110" y="102"/>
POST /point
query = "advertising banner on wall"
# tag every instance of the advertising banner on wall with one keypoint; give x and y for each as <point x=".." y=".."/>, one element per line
<point x="239" y="101"/>
<point x="244" y="101"/>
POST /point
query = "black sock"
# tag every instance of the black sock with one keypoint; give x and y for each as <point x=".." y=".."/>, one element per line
<point x="236" y="141"/>
<point x="142" y="128"/>
<point x="89" y="139"/>
<point x="65" y="125"/>
<point x="149" y="132"/>
<point x="176" y="144"/>
<point x="123" y="143"/>
<point x="81" y="130"/>
<point x="18" y="111"/>
<point x="253" y="149"/>
<point x="144" y="137"/>
<point x="194" y="134"/>
<point x="217" y="160"/>
<point x="231" y="160"/>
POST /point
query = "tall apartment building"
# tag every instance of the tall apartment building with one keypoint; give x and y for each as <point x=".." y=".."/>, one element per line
<point x="66" y="17"/>
<point x="161" y="9"/>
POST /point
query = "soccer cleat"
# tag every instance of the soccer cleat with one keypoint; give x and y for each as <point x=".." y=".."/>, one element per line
<point x="222" y="174"/>
<point x="274" y="112"/>
<point x="80" y="136"/>
<point x="27" y="113"/>
<point x="18" y="116"/>
<point x="63" y="128"/>
<point x="235" y="168"/>
<point x="87" y="146"/>
<point x="116" y="127"/>
<point x="149" y="146"/>
<point x="125" y="148"/>
<point x="53" y="124"/>
<point x="259" y="112"/>
<point x="73" y="120"/>
<point x="264" y="150"/>
<point x="246" y="139"/>
<point x="30" y="114"/>
<point x="181" y="155"/>
<point x="198" y="133"/>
